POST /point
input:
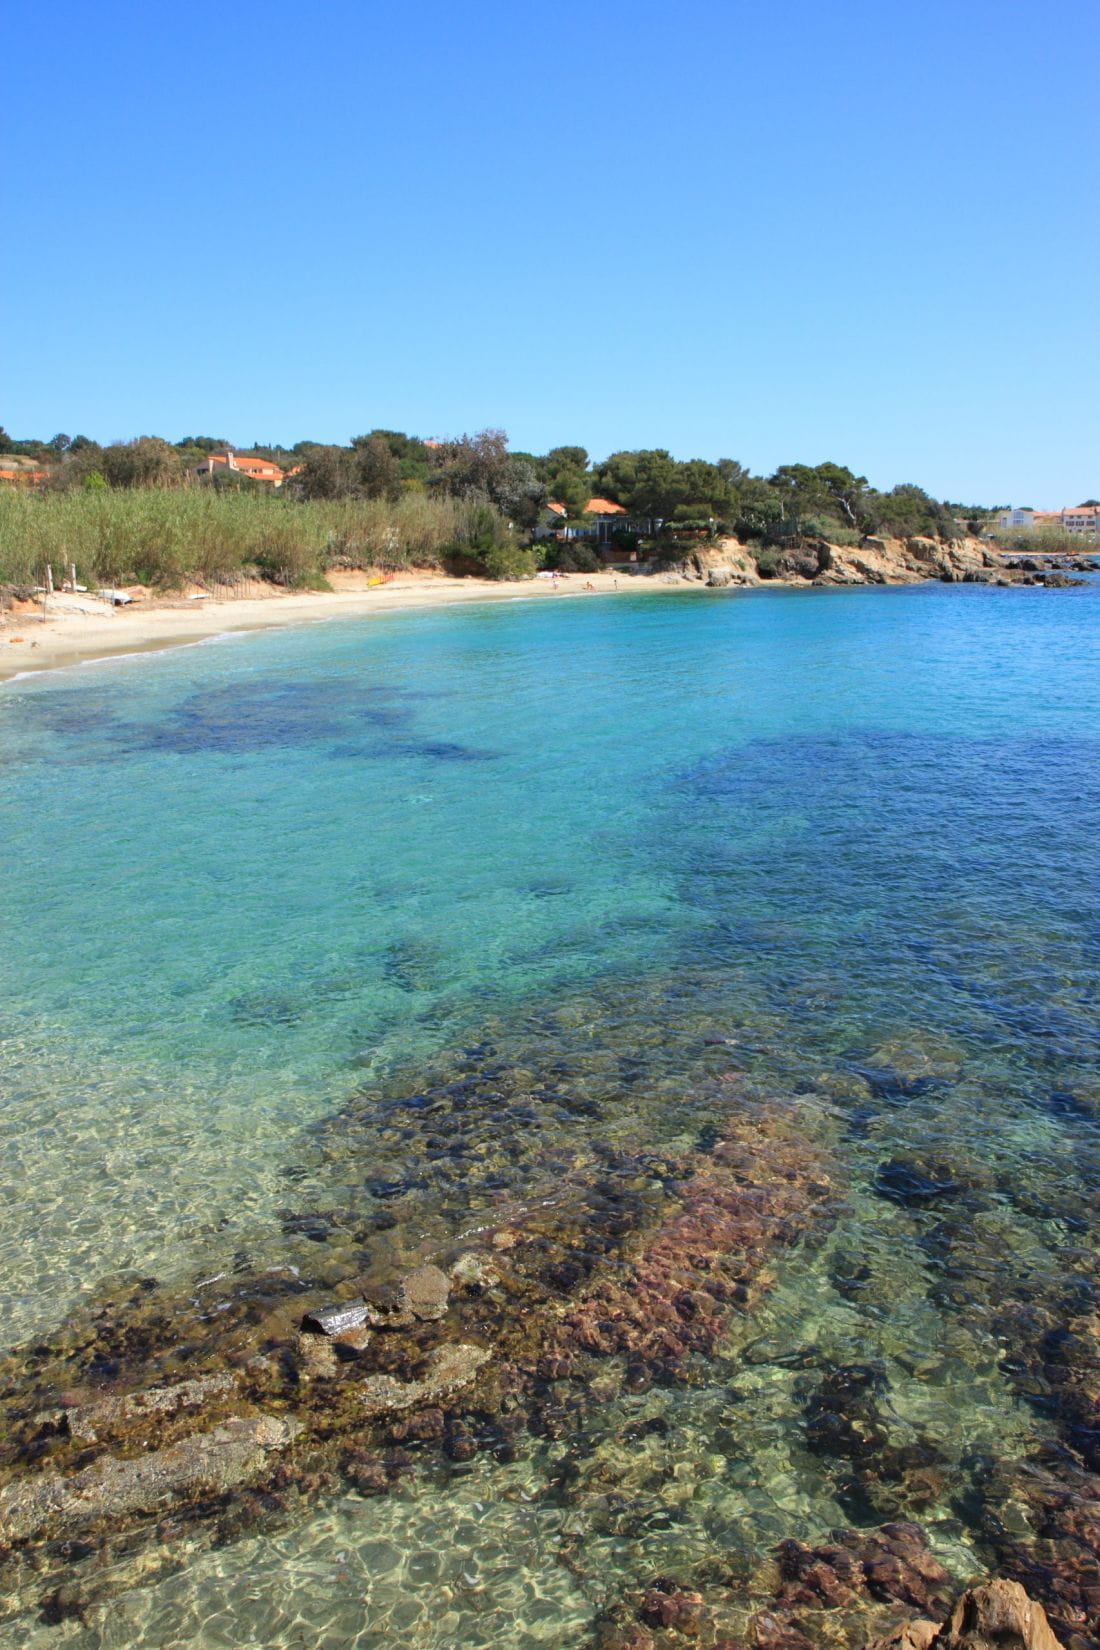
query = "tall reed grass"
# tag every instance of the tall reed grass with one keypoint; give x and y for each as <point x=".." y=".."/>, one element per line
<point x="1045" y="541"/>
<point x="167" y="538"/>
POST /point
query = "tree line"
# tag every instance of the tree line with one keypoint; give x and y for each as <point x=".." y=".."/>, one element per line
<point x="795" y="502"/>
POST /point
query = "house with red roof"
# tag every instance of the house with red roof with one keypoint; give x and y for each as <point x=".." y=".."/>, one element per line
<point x="256" y="469"/>
<point x="19" y="471"/>
<point x="602" y="519"/>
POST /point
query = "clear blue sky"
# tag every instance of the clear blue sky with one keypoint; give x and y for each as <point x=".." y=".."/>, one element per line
<point x="865" y="232"/>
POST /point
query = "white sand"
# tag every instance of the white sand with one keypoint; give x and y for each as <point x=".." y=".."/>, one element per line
<point x="93" y="630"/>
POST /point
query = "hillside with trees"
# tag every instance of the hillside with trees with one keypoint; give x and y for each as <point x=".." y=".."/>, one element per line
<point x="138" y="511"/>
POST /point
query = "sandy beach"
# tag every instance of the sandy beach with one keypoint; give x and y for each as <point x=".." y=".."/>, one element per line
<point x="75" y="630"/>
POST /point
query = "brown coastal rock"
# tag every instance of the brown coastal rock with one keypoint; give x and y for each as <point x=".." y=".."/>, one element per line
<point x="995" y="1616"/>
<point x="665" y="1605"/>
<point x="915" y="1635"/>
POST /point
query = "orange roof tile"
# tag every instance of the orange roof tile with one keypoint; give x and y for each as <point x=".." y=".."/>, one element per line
<point x="603" y="507"/>
<point x="558" y="509"/>
<point x="246" y="463"/>
<point x="243" y="462"/>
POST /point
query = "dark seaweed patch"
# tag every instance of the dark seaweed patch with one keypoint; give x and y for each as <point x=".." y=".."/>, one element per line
<point x="888" y="1084"/>
<point x="413" y="965"/>
<point x="241" y="718"/>
<point x="433" y="750"/>
<point x="263" y="1008"/>
<point x="253" y="716"/>
<point x="437" y="750"/>
<point x="905" y="1183"/>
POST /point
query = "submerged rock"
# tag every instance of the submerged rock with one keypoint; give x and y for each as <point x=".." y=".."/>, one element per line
<point x="229" y="1455"/>
<point x="425" y="1293"/>
<point x="87" y="1423"/>
<point x="905" y="1183"/>
<point x="893" y="1468"/>
<point x="759" y="1189"/>
<point x="451" y="1367"/>
<point x="420" y="1297"/>
<point x="474" y="1271"/>
<point x="915" y="1635"/>
<point x="315" y="1358"/>
<point x="891" y="1564"/>
<point x="666" y="1605"/>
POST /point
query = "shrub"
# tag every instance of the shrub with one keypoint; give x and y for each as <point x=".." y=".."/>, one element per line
<point x="486" y="545"/>
<point x="670" y="551"/>
<point x="509" y="560"/>
<point x="571" y="556"/>
<point x="766" y="558"/>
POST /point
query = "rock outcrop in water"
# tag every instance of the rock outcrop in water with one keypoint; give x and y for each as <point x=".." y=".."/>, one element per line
<point x="159" y="1407"/>
<point x="995" y="1616"/>
<point x="592" y="1301"/>
<point x="825" y="1592"/>
<point x="117" y="1489"/>
<point x="830" y="1594"/>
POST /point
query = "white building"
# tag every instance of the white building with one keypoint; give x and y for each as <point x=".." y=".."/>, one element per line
<point x="1084" y="520"/>
<point x="1016" y="518"/>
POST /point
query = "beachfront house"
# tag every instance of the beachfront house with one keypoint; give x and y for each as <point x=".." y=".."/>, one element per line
<point x="1084" y="520"/>
<point x="256" y="469"/>
<point x="603" y="518"/>
<point x="1016" y="518"/>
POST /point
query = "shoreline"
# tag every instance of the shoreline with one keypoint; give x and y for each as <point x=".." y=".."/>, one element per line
<point x="30" y="642"/>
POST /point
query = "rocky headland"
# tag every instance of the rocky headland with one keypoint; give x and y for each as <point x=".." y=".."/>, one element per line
<point x="877" y="560"/>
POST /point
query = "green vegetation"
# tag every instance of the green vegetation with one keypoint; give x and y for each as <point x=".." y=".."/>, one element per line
<point x="164" y="537"/>
<point x="1043" y="541"/>
<point x="137" y="511"/>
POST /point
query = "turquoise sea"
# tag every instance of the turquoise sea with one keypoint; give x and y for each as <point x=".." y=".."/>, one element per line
<point x="843" y="845"/>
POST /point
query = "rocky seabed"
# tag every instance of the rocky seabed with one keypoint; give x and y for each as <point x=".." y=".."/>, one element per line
<point x="168" y="1417"/>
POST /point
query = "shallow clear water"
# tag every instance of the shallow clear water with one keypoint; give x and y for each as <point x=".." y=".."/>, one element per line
<point x="250" y="890"/>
